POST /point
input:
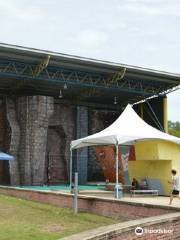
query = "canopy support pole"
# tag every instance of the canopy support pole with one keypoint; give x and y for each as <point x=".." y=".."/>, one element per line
<point x="70" y="170"/>
<point x="117" y="173"/>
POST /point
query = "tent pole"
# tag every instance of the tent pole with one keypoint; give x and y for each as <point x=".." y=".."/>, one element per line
<point x="117" y="173"/>
<point x="70" y="170"/>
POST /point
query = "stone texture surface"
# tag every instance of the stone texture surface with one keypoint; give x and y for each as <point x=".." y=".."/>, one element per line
<point x="106" y="207"/>
<point x="61" y="131"/>
<point x="94" y="168"/>
<point x="38" y="132"/>
<point x="14" y="142"/>
<point x="4" y="142"/>
<point x="24" y="124"/>
<point x="82" y="154"/>
<point x="165" y="226"/>
<point x="33" y="116"/>
<point x="39" y="139"/>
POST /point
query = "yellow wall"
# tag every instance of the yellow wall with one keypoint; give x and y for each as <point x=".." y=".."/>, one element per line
<point x="157" y="150"/>
<point x="155" y="159"/>
<point x="146" y="150"/>
<point x="169" y="151"/>
<point x="152" y="169"/>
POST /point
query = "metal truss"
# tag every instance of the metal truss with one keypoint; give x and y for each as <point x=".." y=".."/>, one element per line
<point x="118" y="82"/>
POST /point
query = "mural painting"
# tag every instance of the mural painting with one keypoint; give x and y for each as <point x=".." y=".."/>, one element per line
<point x="106" y="157"/>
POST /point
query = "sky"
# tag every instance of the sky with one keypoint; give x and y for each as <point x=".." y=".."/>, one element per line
<point x="143" y="33"/>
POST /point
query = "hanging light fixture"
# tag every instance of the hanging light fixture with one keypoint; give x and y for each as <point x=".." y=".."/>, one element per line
<point x="115" y="100"/>
<point x="65" y="86"/>
<point x="60" y="94"/>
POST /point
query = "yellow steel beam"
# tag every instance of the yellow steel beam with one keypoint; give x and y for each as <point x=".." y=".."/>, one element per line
<point x="41" y="66"/>
<point x="142" y="110"/>
<point x="117" y="76"/>
<point x="165" y="115"/>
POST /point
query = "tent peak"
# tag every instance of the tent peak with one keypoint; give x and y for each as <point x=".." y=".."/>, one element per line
<point x="128" y="128"/>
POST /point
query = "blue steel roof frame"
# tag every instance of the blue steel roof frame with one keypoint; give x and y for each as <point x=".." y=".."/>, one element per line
<point x="16" y="69"/>
<point x="137" y="84"/>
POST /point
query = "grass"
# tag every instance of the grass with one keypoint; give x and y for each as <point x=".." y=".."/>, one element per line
<point x="26" y="220"/>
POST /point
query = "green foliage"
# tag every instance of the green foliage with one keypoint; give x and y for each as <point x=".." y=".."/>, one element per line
<point x="174" y="132"/>
<point x="174" y="128"/>
<point x="174" y="125"/>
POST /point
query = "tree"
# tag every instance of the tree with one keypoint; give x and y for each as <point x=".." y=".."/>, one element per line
<point x="174" y="128"/>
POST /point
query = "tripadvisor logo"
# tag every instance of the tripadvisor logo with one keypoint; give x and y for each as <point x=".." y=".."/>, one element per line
<point x="139" y="231"/>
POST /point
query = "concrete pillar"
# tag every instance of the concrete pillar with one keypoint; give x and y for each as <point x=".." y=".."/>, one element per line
<point x="14" y="142"/>
<point x="82" y="154"/>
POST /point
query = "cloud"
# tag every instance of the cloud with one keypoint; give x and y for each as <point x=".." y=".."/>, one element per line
<point x="137" y="32"/>
<point x="151" y="7"/>
<point x="173" y="106"/>
<point x="91" y="38"/>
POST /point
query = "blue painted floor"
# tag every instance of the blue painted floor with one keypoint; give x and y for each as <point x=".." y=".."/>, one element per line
<point x="63" y="187"/>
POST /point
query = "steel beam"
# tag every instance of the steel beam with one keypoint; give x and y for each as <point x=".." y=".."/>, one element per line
<point x="41" y="66"/>
<point x="59" y="76"/>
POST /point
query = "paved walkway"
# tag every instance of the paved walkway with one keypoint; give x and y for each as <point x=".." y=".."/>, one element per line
<point x="155" y="200"/>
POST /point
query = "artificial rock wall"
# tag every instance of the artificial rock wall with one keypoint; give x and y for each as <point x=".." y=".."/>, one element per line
<point x="61" y="131"/>
<point x="4" y="142"/>
<point x="82" y="153"/>
<point x="27" y="119"/>
<point x="98" y="120"/>
<point x="14" y="141"/>
<point x="38" y="131"/>
<point x="33" y="117"/>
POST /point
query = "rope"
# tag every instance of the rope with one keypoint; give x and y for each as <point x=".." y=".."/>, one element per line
<point x="158" y="122"/>
<point x="152" y="118"/>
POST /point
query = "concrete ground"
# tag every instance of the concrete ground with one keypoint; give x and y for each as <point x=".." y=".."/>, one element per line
<point x="155" y="200"/>
<point x="94" y="191"/>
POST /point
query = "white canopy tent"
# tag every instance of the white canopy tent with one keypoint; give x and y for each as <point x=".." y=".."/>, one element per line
<point x="126" y="130"/>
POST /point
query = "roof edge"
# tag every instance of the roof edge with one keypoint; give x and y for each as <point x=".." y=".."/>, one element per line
<point x="90" y="60"/>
